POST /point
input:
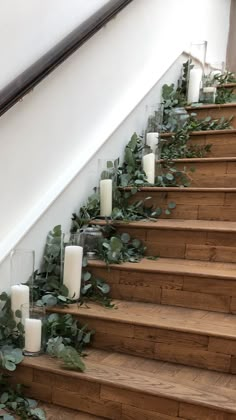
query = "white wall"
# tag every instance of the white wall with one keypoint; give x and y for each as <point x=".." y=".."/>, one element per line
<point x="48" y="138"/>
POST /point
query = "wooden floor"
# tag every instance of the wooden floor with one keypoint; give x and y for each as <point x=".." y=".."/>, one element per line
<point x="167" y="350"/>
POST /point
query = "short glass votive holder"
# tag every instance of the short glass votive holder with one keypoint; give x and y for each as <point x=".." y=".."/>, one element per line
<point x="33" y="319"/>
<point x="177" y="118"/>
<point x="91" y="237"/>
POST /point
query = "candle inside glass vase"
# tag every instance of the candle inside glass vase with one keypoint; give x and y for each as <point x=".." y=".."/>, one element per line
<point x="107" y="175"/>
<point x="33" y="320"/>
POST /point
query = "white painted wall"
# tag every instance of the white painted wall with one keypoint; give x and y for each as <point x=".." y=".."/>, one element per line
<point x="49" y="137"/>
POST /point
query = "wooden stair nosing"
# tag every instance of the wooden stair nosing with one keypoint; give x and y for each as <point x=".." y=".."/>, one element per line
<point x="227" y="85"/>
<point x="183" y="189"/>
<point x="176" y="224"/>
<point x="203" y="132"/>
<point x="177" y="321"/>
<point x="202" y="160"/>
<point x="180" y="267"/>
<point x="211" y="106"/>
<point x="206" y="396"/>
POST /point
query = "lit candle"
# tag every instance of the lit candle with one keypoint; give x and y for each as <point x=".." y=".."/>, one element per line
<point x="73" y="270"/>
<point x="33" y="334"/>
<point x="149" y="167"/>
<point x="19" y="296"/>
<point x="152" y="140"/>
<point x="195" y="78"/>
<point x="105" y="197"/>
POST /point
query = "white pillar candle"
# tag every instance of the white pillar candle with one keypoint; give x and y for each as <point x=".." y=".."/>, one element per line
<point x="209" y="89"/>
<point x="33" y="334"/>
<point x="105" y="197"/>
<point x="73" y="270"/>
<point x="19" y="296"/>
<point x="152" y="140"/>
<point x="149" y="167"/>
<point x="195" y="78"/>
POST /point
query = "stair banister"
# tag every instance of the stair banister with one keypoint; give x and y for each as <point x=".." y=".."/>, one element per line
<point x="33" y="75"/>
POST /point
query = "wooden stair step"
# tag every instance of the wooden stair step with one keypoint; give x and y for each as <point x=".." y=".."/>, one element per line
<point x="192" y="202"/>
<point x="208" y="172"/>
<point x="179" y="282"/>
<point x="214" y="111"/>
<point x="190" y="239"/>
<point x="228" y="86"/>
<point x="118" y="386"/>
<point x="188" y="336"/>
<point x="223" y="142"/>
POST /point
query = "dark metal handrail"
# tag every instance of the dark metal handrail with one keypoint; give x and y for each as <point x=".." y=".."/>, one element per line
<point x="27" y="80"/>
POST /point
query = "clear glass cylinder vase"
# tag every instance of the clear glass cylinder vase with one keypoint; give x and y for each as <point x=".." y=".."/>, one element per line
<point x="72" y="263"/>
<point x="107" y="171"/>
<point x="196" y="70"/>
<point x="149" y="158"/>
<point x="33" y="320"/>
<point x="22" y="277"/>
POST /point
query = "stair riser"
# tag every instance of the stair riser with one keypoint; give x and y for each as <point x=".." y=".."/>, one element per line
<point x="221" y="144"/>
<point x="215" y="113"/>
<point x="206" y="293"/>
<point x="187" y="348"/>
<point x="189" y="244"/>
<point x="107" y="401"/>
<point x="194" y="205"/>
<point x="209" y="174"/>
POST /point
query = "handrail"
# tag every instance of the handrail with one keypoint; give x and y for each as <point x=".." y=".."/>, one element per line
<point x="33" y="75"/>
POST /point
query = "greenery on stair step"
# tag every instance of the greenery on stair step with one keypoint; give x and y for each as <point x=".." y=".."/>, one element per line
<point x="13" y="401"/>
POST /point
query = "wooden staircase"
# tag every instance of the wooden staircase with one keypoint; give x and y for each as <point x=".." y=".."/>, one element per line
<point x="168" y="349"/>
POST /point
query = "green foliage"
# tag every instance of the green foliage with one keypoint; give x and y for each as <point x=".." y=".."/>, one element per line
<point x="11" y="336"/>
<point x="207" y="124"/>
<point x="226" y="77"/>
<point x="224" y="95"/>
<point x="13" y="401"/>
<point x="178" y="147"/>
<point x="116" y="249"/>
<point x="95" y="289"/>
<point x="66" y="339"/>
<point x="131" y="172"/>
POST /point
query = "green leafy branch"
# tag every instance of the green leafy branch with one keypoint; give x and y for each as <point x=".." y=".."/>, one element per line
<point x="13" y="401"/>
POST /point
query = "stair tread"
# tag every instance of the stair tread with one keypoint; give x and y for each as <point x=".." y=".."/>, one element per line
<point x="227" y="85"/>
<point x="161" y="379"/>
<point x="204" y="160"/>
<point x="204" y="132"/>
<point x="211" y="106"/>
<point x="178" y="224"/>
<point x="177" y="266"/>
<point x="61" y="413"/>
<point x="184" y="189"/>
<point x="160" y="316"/>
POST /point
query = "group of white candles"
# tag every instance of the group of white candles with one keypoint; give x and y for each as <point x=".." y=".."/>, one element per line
<point x="20" y="300"/>
<point x="194" y="86"/>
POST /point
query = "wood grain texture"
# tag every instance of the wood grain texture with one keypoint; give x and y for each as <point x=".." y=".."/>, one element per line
<point x="215" y="111"/>
<point x="130" y="384"/>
